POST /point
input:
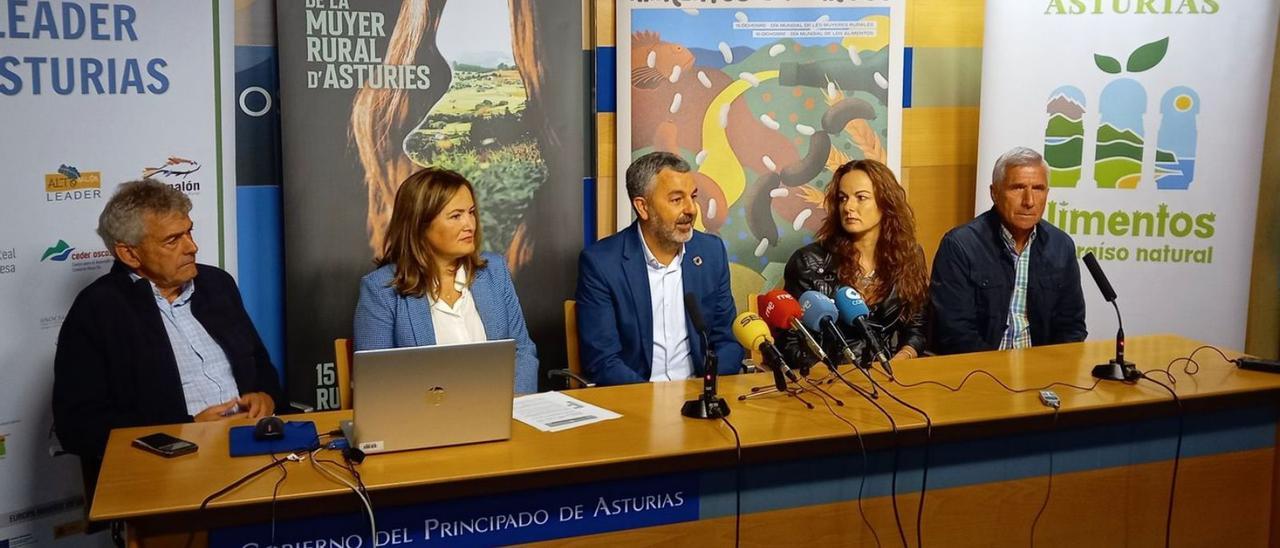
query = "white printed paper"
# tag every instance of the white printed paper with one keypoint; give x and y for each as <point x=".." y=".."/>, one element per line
<point x="553" y="412"/>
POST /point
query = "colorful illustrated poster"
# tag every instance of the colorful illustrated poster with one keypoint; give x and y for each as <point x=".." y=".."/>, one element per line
<point x="765" y="101"/>
<point x="1150" y="123"/>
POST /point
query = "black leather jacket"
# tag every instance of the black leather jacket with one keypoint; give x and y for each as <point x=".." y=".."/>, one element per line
<point x="812" y="268"/>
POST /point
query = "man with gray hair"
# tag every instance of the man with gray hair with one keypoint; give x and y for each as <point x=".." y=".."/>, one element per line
<point x="1008" y="279"/>
<point x="159" y="339"/>
<point x="632" y="286"/>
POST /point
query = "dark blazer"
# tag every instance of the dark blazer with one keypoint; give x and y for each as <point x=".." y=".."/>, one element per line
<point x="812" y="268"/>
<point x="615" y="313"/>
<point x="973" y="280"/>
<point x="114" y="365"/>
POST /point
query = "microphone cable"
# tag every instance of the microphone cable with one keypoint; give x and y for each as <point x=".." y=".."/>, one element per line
<point x="1190" y="366"/>
<point x="1053" y="442"/>
<point x="737" y="482"/>
<point x="924" y="473"/>
<point x="863" y="481"/>
<point x="1002" y="384"/>
<point x="1177" y="455"/>
<point x="204" y="504"/>
<point x="275" y="493"/>
<point x="368" y="506"/>
<point x="893" y="483"/>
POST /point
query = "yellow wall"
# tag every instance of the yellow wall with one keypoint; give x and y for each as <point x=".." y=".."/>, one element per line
<point x="1263" y="335"/>
<point x="940" y="144"/>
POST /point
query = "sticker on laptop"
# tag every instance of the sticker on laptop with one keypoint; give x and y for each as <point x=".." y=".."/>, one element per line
<point x="371" y="446"/>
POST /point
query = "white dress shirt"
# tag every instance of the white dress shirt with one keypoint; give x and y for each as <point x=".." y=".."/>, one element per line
<point x="670" y="335"/>
<point x="461" y="322"/>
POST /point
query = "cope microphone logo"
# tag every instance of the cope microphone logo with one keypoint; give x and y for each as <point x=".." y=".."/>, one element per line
<point x="852" y="295"/>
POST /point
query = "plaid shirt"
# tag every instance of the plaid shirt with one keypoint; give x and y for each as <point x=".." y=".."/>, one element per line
<point x="202" y="365"/>
<point x="1018" y="332"/>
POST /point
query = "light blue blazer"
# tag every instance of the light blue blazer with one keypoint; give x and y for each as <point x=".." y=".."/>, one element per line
<point x="386" y="319"/>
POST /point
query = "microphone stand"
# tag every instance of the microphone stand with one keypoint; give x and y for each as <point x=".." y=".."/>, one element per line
<point x="707" y="405"/>
<point x="830" y="330"/>
<point x="1117" y="369"/>
<point x="779" y="384"/>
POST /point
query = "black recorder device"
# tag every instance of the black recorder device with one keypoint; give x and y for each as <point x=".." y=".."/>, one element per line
<point x="1258" y="364"/>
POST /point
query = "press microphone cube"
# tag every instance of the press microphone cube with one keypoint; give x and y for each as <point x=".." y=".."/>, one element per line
<point x="778" y="307"/>
<point x="816" y="307"/>
<point x="850" y="304"/>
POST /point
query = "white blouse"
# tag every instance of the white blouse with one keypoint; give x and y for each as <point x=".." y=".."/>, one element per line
<point x="461" y="322"/>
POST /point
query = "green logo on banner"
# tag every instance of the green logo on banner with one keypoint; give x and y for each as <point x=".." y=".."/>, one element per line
<point x="1120" y="134"/>
<point x="59" y="252"/>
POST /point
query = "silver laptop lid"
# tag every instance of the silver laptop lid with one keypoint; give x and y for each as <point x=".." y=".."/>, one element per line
<point x="431" y="396"/>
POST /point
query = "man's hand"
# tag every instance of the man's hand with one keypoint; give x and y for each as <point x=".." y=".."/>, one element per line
<point x="257" y="404"/>
<point x="217" y="412"/>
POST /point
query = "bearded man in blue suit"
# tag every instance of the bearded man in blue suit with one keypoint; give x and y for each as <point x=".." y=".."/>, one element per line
<point x="632" y="322"/>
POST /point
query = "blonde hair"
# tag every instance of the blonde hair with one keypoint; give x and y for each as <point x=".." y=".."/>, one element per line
<point x="421" y="198"/>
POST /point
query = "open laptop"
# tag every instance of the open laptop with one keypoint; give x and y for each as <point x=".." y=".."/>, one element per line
<point x="431" y="396"/>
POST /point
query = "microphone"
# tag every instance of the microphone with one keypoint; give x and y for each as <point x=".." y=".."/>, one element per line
<point x="1099" y="278"/>
<point x="854" y="311"/>
<point x="820" y="317"/>
<point x="707" y="405"/>
<point x="1117" y="369"/>
<point x="781" y="311"/>
<point x="752" y="332"/>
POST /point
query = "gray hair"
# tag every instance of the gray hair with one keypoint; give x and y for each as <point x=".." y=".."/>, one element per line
<point x="121" y="219"/>
<point x="644" y="171"/>
<point x="1016" y="157"/>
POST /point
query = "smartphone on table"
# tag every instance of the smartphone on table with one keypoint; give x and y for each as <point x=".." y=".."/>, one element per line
<point x="164" y="445"/>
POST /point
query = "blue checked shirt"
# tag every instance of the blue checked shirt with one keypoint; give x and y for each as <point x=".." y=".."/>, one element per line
<point x="1018" y="333"/>
<point x="202" y="365"/>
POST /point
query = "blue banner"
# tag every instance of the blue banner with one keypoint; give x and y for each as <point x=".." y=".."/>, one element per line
<point x="529" y="516"/>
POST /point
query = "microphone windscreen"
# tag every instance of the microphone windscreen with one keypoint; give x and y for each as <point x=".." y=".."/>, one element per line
<point x="695" y="313"/>
<point x="816" y="306"/>
<point x="751" y="331"/>
<point x="1099" y="278"/>
<point x="850" y="304"/>
<point x="778" y="307"/>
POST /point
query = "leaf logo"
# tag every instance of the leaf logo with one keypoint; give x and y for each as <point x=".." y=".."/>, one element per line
<point x="59" y="252"/>
<point x="1142" y="59"/>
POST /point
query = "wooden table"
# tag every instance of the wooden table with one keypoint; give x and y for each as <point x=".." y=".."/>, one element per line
<point x="987" y="453"/>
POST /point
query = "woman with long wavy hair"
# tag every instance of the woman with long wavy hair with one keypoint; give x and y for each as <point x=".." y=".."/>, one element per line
<point x="433" y="285"/>
<point x="867" y="242"/>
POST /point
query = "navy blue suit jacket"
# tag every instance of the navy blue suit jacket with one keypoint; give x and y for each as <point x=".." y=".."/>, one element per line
<point x="615" y="314"/>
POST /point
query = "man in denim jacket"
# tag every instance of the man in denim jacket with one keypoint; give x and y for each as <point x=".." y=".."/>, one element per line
<point x="1008" y="279"/>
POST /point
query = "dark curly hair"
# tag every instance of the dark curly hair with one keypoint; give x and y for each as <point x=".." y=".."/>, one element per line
<point x="899" y="258"/>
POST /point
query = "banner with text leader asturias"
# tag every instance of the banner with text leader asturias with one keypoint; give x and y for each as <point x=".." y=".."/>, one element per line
<point x="1150" y="115"/>
<point x="92" y="94"/>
